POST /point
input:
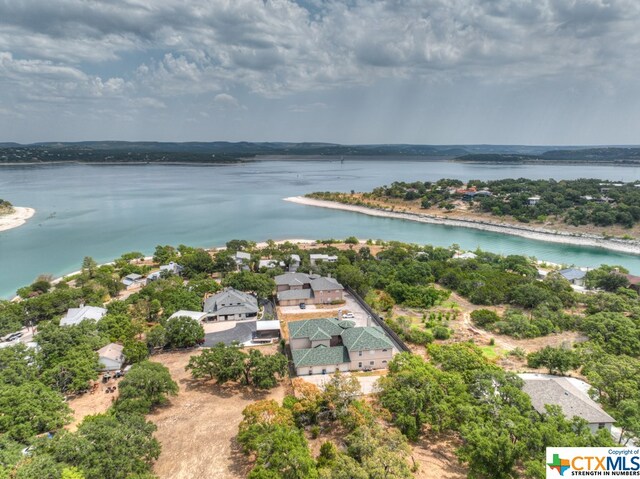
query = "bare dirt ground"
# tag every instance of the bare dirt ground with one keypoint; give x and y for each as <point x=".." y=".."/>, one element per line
<point x="88" y="404"/>
<point x="197" y="429"/>
<point x="436" y="459"/>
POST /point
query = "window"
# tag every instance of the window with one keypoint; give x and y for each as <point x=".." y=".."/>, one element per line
<point x="359" y="365"/>
<point x="384" y="362"/>
<point x="601" y="425"/>
<point x="310" y="372"/>
<point x="359" y="353"/>
<point x="372" y="363"/>
<point x="384" y="350"/>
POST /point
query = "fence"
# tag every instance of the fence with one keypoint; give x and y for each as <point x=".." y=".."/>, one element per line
<point x="399" y="343"/>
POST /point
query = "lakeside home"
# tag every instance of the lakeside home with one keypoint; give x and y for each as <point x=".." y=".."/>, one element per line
<point x="297" y="288"/>
<point x="75" y="316"/>
<point x="323" y="346"/>
<point x="562" y="392"/>
<point x="230" y="305"/>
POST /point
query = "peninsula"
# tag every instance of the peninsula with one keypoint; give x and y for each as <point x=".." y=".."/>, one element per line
<point x="544" y="211"/>
<point x="13" y="216"/>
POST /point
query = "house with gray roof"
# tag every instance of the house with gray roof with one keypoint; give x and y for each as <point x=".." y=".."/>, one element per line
<point x="242" y="259"/>
<point x="75" y="316"/>
<point x="573" y="275"/>
<point x="323" y="346"/>
<point x="296" y="288"/>
<point x="134" y="280"/>
<point x="230" y="305"/>
<point x="563" y="392"/>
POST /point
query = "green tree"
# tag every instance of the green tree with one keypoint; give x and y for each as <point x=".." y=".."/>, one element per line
<point x="42" y="466"/>
<point x="165" y="254"/>
<point x="197" y="262"/>
<point x="558" y="360"/>
<point x="72" y="473"/>
<point x="183" y="332"/>
<point x="339" y="393"/>
<point x="146" y="385"/>
<point x="89" y="266"/>
<point x="281" y="452"/>
<point x="224" y="363"/>
<point x="105" y="445"/>
<point x="628" y="420"/>
<point x="262" y="285"/>
<point x="29" y="409"/>
<point x="135" y="351"/>
<point x="157" y="337"/>
<point x="261" y="370"/>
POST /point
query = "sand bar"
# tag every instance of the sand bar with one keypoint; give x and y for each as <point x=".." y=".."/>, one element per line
<point x="529" y="232"/>
<point x="19" y="217"/>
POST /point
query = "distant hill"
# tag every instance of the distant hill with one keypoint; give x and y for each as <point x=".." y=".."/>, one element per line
<point x="222" y="151"/>
<point x="630" y="155"/>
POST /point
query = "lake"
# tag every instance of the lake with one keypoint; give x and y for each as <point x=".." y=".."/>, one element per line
<point x="105" y="210"/>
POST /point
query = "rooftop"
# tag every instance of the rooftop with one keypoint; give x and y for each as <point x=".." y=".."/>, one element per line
<point x="308" y="327"/>
<point x="561" y="392"/>
<point x="183" y="313"/>
<point x="572" y="273"/>
<point x="364" y="338"/>
<point x="320" y="356"/>
<point x="77" y="315"/>
<point x="111" y="351"/>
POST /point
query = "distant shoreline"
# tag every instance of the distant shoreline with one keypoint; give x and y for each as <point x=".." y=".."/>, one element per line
<point x="332" y="159"/>
<point x="539" y="234"/>
<point x="19" y="217"/>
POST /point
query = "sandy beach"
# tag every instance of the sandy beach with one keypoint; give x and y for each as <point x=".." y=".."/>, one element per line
<point x="17" y="218"/>
<point x="529" y="232"/>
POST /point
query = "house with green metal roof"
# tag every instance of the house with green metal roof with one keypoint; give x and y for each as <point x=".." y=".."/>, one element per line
<point x="322" y="346"/>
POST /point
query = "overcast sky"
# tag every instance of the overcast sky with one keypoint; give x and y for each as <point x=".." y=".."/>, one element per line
<point x="349" y="71"/>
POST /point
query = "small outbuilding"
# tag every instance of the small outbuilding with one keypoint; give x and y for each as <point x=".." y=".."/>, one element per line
<point x="267" y="331"/>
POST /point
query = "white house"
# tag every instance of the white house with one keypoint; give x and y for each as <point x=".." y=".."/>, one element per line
<point x="314" y="258"/>
<point x="111" y="357"/>
<point x="75" y="316"/>
<point x="170" y="268"/>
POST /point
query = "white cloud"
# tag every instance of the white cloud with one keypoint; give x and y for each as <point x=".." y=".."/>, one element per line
<point x="143" y="53"/>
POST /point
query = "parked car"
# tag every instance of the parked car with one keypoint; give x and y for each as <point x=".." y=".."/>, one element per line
<point x="14" y="336"/>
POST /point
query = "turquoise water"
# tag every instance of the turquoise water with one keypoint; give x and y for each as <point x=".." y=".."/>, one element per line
<point x="104" y="211"/>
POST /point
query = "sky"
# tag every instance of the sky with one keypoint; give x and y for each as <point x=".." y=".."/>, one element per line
<point x="547" y="72"/>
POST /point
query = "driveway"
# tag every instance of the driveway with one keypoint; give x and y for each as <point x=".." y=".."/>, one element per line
<point x="241" y="333"/>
